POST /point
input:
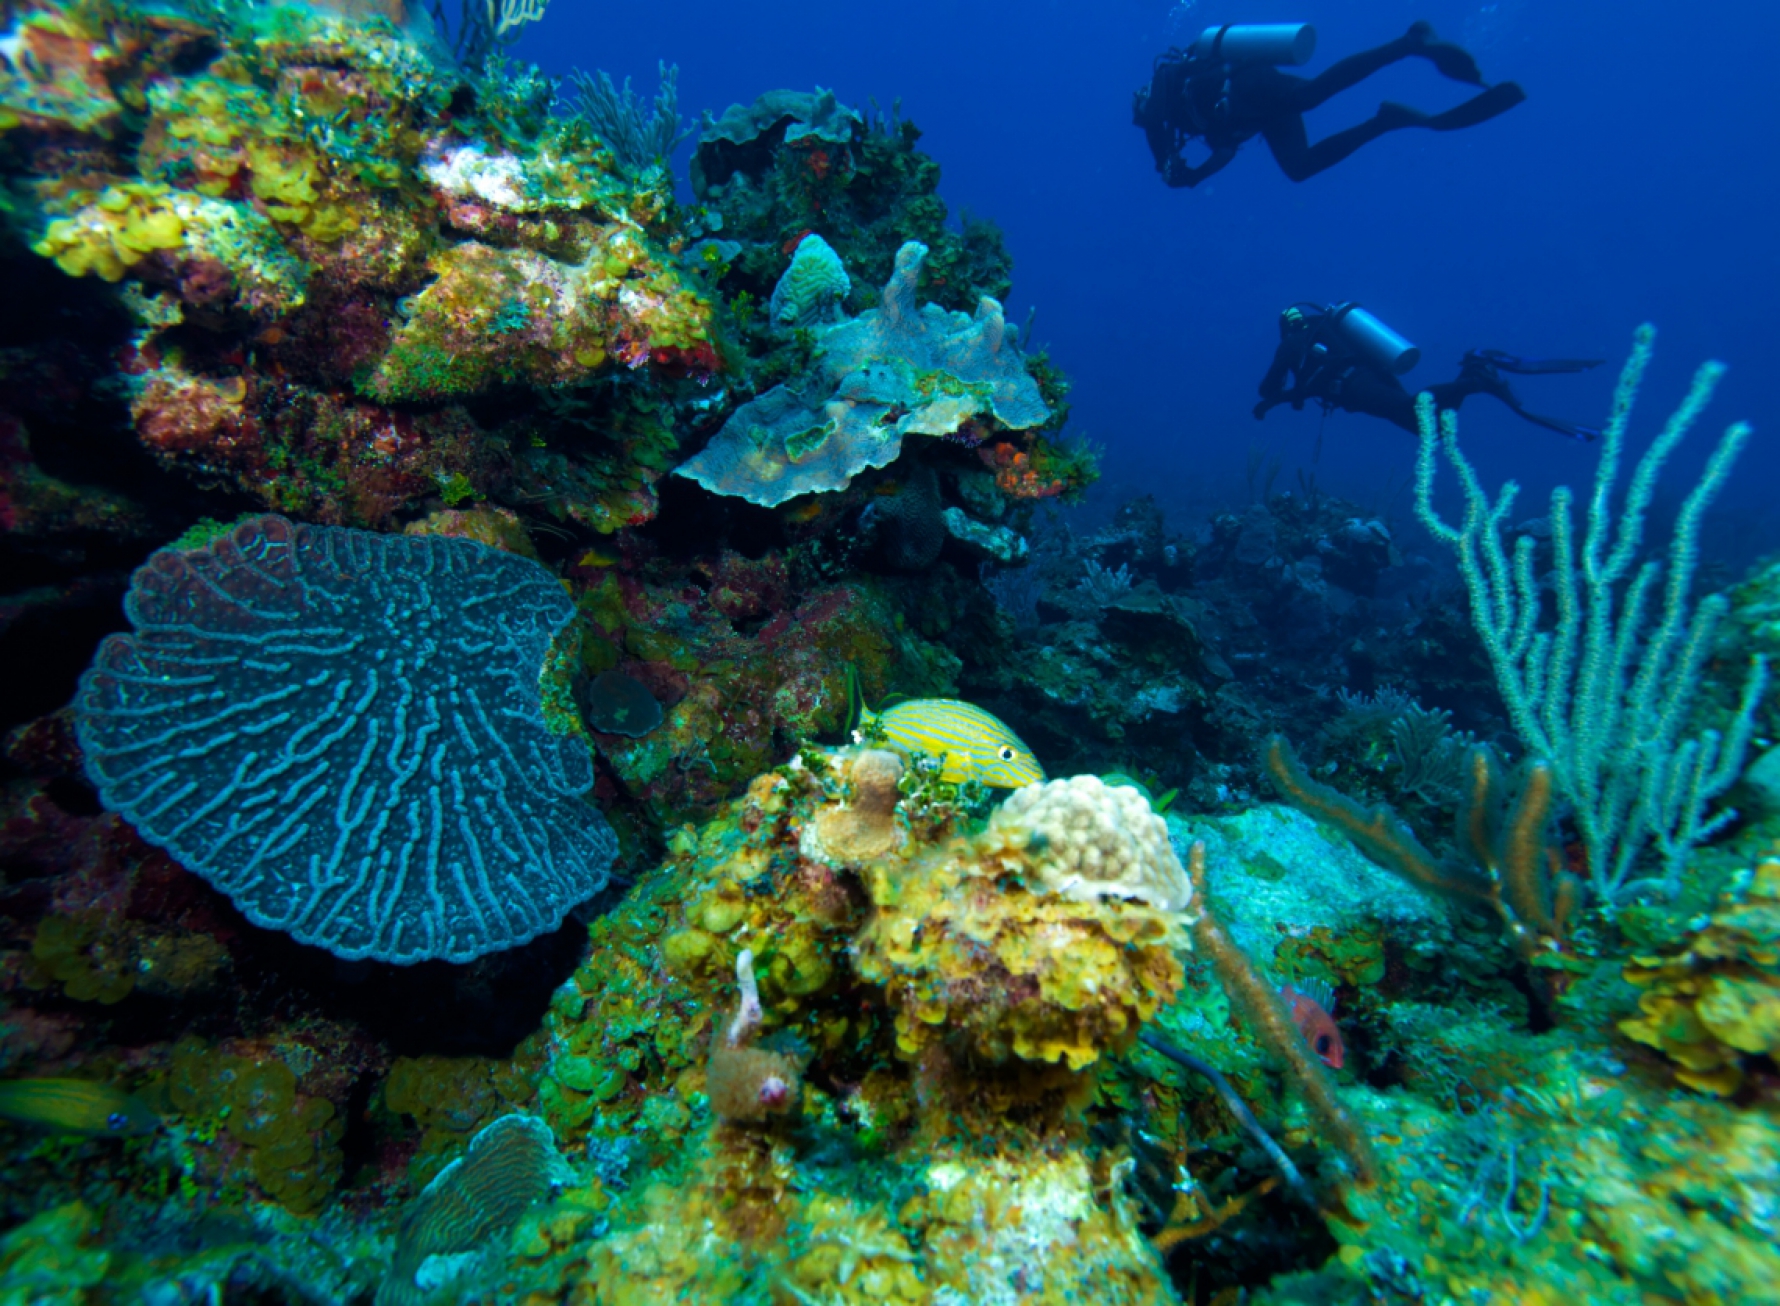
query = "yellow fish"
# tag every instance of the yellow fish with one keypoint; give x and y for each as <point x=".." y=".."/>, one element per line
<point x="76" y="1106"/>
<point x="970" y="743"/>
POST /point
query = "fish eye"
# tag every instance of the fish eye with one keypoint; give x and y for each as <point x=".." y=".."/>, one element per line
<point x="116" y="1121"/>
<point x="1005" y="753"/>
<point x="1322" y="1043"/>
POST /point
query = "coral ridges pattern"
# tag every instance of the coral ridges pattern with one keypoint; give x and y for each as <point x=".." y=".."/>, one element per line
<point x="345" y="733"/>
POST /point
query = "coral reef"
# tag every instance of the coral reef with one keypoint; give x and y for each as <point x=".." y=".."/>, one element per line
<point x="795" y="162"/>
<point x="274" y="195"/>
<point x="827" y="1016"/>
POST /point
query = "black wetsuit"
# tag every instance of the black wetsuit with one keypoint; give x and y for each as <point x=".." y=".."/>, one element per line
<point x="1195" y="95"/>
<point x="1324" y="368"/>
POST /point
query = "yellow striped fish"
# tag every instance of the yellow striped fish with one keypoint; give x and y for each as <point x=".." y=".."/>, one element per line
<point x="75" y="1106"/>
<point x="970" y="743"/>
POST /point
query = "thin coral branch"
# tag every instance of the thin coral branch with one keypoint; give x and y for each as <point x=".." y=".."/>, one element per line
<point x="1380" y="833"/>
<point x="1166" y="1240"/>
<point x="637" y="132"/>
<point x="1514" y="869"/>
<point x="1238" y="1108"/>
<point x="1524" y="866"/>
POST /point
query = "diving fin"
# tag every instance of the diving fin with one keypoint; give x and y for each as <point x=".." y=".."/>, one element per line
<point x="1499" y="99"/>
<point x="1449" y="60"/>
<point x="1536" y="366"/>
<point x="1588" y="434"/>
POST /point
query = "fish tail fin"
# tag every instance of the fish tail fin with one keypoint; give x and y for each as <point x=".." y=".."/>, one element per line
<point x="857" y="715"/>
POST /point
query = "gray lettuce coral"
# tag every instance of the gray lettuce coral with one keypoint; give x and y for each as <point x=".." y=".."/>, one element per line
<point x="899" y="369"/>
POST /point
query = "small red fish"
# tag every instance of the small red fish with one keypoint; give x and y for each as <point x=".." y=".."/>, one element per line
<point x="1312" y="1003"/>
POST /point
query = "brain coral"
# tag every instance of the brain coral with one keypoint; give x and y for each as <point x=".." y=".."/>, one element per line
<point x="343" y="732"/>
<point x="899" y="369"/>
<point x="1090" y="840"/>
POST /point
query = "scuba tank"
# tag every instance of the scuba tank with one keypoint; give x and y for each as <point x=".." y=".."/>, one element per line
<point x="1274" y="43"/>
<point x="1372" y="340"/>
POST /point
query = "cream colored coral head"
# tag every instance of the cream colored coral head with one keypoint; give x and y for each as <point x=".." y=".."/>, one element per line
<point x="1087" y="840"/>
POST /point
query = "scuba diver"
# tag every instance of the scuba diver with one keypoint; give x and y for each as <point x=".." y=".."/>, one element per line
<point x="1226" y="89"/>
<point x="1344" y="357"/>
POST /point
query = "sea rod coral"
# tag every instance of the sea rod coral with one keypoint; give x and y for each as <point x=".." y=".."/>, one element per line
<point x="344" y="732"/>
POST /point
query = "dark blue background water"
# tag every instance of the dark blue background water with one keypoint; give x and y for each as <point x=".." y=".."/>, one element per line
<point x="1640" y="181"/>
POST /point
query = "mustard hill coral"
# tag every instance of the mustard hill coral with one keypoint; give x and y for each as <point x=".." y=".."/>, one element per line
<point x="971" y="948"/>
<point x="289" y="1141"/>
<point x="83" y="953"/>
<point x="495" y="316"/>
<point x="1715" y="1002"/>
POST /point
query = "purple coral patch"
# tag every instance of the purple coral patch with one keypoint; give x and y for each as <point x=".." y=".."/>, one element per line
<point x="343" y="732"/>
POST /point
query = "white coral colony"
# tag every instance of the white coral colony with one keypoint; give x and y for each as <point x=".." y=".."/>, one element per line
<point x="1088" y="839"/>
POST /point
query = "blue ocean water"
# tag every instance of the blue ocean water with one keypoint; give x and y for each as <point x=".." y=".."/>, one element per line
<point x="1637" y="183"/>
